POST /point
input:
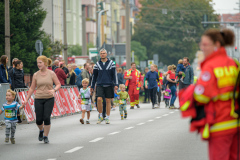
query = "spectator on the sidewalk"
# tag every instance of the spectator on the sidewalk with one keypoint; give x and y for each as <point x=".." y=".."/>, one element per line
<point x="76" y="69"/>
<point x="55" y="65"/>
<point x="49" y="64"/>
<point x="85" y="73"/>
<point x="11" y="67"/>
<point x="4" y="73"/>
<point x="17" y="75"/>
<point x="65" y="68"/>
<point x="189" y="75"/>
<point x="71" y="80"/>
<point x="61" y="75"/>
<point x="120" y="76"/>
<point x="90" y="73"/>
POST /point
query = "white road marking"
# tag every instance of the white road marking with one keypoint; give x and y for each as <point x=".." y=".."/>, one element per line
<point x="139" y="124"/>
<point x="52" y="159"/>
<point x="165" y="115"/>
<point x="171" y="112"/>
<point x="158" y="117"/>
<point x="73" y="150"/>
<point x="150" y="120"/>
<point x="97" y="139"/>
<point x="129" y="128"/>
<point x="113" y="133"/>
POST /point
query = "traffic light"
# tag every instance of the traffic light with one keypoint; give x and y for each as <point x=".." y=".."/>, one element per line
<point x="236" y="48"/>
<point x="100" y="5"/>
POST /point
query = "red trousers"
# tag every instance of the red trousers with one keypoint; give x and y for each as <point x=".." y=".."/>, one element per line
<point x="224" y="147"/>
<point x="134" y="95"/>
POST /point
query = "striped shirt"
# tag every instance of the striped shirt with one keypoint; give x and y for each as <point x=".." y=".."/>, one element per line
<point x="10" y="111"/>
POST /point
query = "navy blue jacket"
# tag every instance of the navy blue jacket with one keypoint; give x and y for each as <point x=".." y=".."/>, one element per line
<point x="3" y="76"/>
<point x="104" y="75"/>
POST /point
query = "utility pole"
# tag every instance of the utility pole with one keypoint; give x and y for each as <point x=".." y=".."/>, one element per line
<point x="7" y="32"/>
<point x="84" y="40"/>
<point x="65" y="32"/>
<point x="128" y="36"/>
<point x="236" y="26"/>
<point x="238" y="3"/>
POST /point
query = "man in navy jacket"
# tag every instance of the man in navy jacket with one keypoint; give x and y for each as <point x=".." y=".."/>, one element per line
<point x="105" y="75"/>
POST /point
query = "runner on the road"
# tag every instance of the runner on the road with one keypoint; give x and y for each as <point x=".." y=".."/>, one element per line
<point x="152" y="81"/>
<point x="44" y="98"/>
<point x="10" y="109"/>
<point x="105" y="75"/>
<point x="86" y="100"/>
<point x="124" y="97"/>
<point x="133" y="84"/>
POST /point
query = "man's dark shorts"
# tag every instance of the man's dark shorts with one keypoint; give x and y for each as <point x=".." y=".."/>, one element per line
<point x="107" y="92"/>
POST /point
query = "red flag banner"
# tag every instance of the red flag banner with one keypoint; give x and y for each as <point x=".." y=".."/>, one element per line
<point x="74" y="99"/>
<point x="69" y="100"/>
<point x="64" y="101"/>
<point x="59" y="104"/>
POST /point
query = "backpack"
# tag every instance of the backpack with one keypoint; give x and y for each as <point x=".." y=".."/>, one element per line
<point x="79" y="80"/>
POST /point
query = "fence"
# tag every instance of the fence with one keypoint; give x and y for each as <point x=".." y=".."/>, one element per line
<point x="66" y="102"/>
<point x="3" y="89"/>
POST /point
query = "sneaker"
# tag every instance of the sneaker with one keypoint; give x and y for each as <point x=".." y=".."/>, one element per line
<point x="100" y="119"/>
<point x="158" y="104"/>
<point x="125" y="117"/>
<point x="46" y="140"/>
<point x="121" y="118"/>
<point x="40" y="137"/>
<point x="107" y="121"/>
<point x="138" y="106"/>
<point x="131" y="107"/>
<point x="12" y="140"/>
<point x="153" y="107"/>
<point x="113" y="109"/>
<point x="87" y="122"/>
<point x="82" y="121"/>
<point x="6" y="140"/>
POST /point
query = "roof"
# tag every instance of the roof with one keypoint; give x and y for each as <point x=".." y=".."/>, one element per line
<point x="230" y="18"/>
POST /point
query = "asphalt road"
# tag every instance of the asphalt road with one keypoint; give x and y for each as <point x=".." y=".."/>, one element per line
<point x="147" y="133"/>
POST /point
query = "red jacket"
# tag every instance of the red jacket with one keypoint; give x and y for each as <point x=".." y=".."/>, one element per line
<point x="213" y="94"/>
<point x="61" y="75"/>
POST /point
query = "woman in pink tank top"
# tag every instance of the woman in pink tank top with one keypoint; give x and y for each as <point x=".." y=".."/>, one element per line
<point x="44" y="98"/>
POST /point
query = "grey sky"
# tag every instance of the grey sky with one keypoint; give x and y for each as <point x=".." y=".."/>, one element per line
<point x="225" y="6"/>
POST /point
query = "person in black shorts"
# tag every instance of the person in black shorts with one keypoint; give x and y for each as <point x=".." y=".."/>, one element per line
<point x="105" y="75"/>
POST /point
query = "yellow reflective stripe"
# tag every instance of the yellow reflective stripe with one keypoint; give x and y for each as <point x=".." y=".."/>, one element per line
<point x="185" y="106"/>
<point x="206" y="132"/>
<point x="201" y="98"/>
<point x="221" y="126"/>
<point x="132" y="103"/>
<point x="233" y="113"/>
<point x="225" y="96"/>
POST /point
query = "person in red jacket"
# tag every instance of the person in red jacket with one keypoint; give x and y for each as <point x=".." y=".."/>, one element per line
<point x="133" y="83"/>
<point x="61" y="75"/>
<point x="212" y="97"/>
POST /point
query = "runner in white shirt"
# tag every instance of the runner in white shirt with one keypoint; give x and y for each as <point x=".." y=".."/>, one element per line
<point x="86" y="100"/>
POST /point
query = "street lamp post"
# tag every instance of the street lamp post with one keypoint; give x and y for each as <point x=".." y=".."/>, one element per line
<point x="99" y="24"/>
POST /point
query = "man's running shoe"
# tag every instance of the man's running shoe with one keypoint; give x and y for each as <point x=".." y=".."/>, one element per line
<point x="12" y="140"/>
<point x="158" y="104"/>
<point x="107" y="121"/>
<point x="153" y="107"/>
<point x="82" y="121"/>
<point x="40" y="137"/>
<point x="46" y="140"/>
<point x="131" y="107"/>
<point x="100" y="119"/>
<point x="87" y="122"/>
<point x="6" y="140"/>
<point x="113" y="109"/>
<point x="138" y="106"/>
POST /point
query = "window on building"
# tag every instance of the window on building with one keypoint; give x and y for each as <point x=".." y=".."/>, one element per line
<point x="68" y="5"/>
<point x="115" y="15"/>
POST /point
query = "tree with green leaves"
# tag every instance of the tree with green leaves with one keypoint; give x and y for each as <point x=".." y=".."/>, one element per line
<point x="26" y="19"/>
<point x="140" y="52"/>
<point x="172" y="28"/>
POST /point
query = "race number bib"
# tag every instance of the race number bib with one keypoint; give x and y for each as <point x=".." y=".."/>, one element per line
<point x="85" y="102"/>
<point x="10" y="113"/>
